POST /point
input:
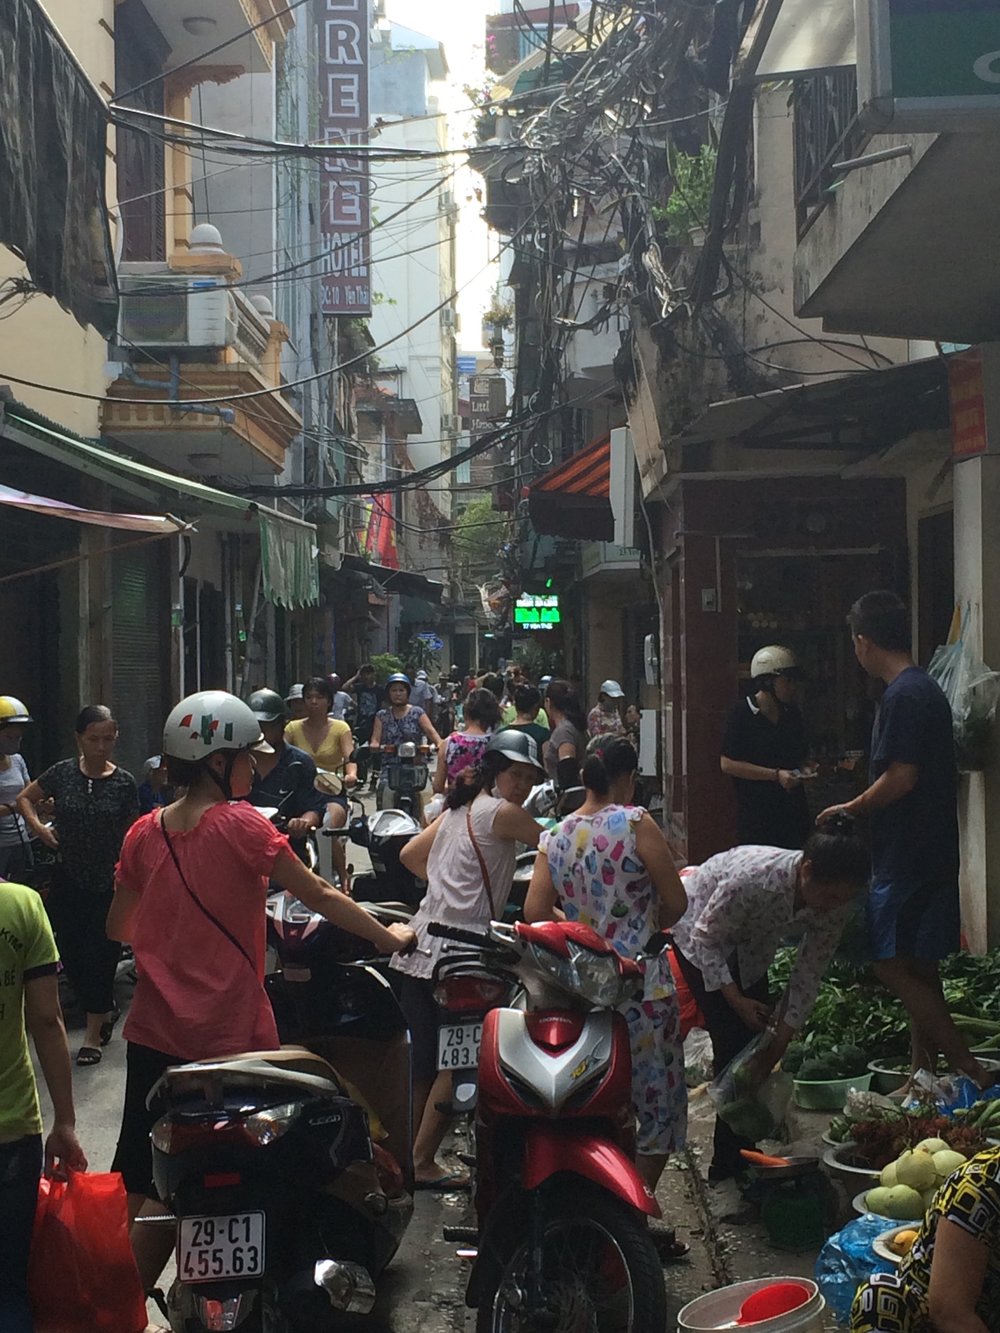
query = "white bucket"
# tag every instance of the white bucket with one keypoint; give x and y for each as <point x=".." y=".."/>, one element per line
<point x="720" y="1309"/>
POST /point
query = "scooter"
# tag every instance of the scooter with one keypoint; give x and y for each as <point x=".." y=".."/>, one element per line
<point x="405" y="771"/>
<point x="384" y="833"/>
<point x="563" y="1240"/>
<point x="288" y="1172"/>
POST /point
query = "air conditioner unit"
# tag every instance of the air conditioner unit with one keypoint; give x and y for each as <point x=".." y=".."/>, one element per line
<point x="449" y="318"/>
<point x="176" y="310"/>
<point x="450" y="424"/>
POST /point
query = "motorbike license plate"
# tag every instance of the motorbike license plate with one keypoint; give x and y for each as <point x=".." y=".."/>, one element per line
<point x="458" y="1045"/>
<point x="212" y="1248"/>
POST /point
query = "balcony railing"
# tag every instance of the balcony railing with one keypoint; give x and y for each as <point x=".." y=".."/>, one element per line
<point x="827" y="131"/>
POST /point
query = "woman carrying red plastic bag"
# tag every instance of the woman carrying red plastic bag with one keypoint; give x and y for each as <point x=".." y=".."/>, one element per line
<point x="29" y="1001"/>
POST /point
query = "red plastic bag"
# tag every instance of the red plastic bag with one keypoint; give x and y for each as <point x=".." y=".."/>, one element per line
<point x="82" y="1276"/>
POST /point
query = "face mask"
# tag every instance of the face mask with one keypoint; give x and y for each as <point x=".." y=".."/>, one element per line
<point x="10" y="742"/>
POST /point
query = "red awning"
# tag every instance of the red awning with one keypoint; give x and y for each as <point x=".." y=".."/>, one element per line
<point x="573" y="499"/>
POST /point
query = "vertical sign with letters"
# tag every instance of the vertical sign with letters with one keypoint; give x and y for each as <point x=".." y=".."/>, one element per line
<point x="345" y="205"/>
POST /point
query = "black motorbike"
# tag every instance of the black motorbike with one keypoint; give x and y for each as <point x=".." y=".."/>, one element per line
<point x="288" y="1171"/>
<point x="384" y="834"/>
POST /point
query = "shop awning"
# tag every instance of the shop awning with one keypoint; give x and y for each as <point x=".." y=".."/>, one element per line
<point x="396" y="580"/>
<point x="53" y="151"/>
<point x="289" y="559"/>
<point x="289" y="546"/>
<point x="869" y="410"/>
<point x="574" y="499"/>
<point x="100" y="518"/>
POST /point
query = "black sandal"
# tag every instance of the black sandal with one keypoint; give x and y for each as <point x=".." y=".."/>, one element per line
<point x="89" y="1055"/>
<point x="108" y="1028"/>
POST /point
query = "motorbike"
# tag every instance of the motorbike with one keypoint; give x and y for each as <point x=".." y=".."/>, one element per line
<point x="288" y="1172"/>
<point x="384" y="833"/>
<point x="562" y="1213"/>
<point x="404" y="775"/>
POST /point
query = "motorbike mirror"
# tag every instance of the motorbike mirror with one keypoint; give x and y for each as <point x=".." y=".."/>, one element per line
<point x="330" y="784"/>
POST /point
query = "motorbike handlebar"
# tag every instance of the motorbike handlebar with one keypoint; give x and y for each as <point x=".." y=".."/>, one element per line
<point x="475" y="938"/>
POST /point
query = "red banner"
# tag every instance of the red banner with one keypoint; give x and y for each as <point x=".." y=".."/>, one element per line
<point x="345" y="206"/>
<point x="968" y="405"/>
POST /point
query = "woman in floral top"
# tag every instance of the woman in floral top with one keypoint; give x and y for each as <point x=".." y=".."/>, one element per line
<point x="609" y="867"/>
<point x="741" y="905"/>
<point x="463" y="749"/>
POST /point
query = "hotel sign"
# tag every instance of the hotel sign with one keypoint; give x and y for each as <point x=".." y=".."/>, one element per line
<point x="345" y="206"/>
<point x="929" y="66"/>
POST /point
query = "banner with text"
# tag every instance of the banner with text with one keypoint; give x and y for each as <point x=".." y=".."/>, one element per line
<point x="345" y="206"/>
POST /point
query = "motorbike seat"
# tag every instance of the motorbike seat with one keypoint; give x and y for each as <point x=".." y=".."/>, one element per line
<point x="292" y="1065"/>
<point x="293" y="1059"/>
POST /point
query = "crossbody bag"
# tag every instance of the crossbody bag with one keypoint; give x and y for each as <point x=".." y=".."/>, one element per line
<point x="482" y="863"/>
<point x="199" y="904"/>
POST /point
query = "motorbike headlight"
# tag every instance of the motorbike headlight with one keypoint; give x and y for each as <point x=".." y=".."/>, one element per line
<point x="599" y="979"/>
<point x="561" y="970"/>
<point x="408" y="750"/>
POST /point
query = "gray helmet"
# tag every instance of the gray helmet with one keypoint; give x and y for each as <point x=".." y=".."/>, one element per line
<point x="398" y="678"/>
<point x="267" y="705"/>
<point x="517" y="746"/>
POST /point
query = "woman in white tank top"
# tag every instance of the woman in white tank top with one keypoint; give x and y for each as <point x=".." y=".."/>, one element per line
<point x="483" y="818"/>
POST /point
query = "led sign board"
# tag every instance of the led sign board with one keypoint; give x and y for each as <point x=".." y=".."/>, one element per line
<point x="929" y="65"/>
<point x="537" y="612"/>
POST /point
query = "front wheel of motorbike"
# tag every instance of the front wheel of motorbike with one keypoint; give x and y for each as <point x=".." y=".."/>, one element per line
<point x="600" y="1272"/>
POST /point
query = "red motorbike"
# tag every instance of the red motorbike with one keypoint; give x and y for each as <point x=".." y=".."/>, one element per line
<point x="562" y="1213"/>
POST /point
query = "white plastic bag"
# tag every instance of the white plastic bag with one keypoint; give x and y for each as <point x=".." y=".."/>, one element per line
<point x="973" y="691"/>
<point x="752" y="1110"/>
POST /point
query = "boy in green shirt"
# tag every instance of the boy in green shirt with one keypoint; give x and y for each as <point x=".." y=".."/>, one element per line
<point x="29" y="1002"/>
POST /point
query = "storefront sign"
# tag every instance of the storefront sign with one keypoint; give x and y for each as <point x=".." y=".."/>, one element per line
<point x="929" y="65"/>
<point x="345" y="210"/>
<point x="968" y="405"/>
<point x="537" y="612"/>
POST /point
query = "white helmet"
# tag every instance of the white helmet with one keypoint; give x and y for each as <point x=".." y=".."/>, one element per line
<point x="13" y="710"/>
<point x="208" y="722"/>
<point x="775" y="661"/>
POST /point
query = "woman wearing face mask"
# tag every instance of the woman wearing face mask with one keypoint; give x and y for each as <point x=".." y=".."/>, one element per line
<point x="742" y="905"/>
<point x="95" y="802"/>
<point x="189" y="897"/>
<point x="467" y="857"/>
<point x="15" y="850"/>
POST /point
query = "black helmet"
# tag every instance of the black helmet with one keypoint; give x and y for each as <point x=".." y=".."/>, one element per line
<point x="267" y="706"/>
<point x="517" y="746"/>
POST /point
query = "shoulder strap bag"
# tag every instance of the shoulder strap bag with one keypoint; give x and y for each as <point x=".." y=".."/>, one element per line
<point x="482" y="863"/>
<point x="197" y="901"/>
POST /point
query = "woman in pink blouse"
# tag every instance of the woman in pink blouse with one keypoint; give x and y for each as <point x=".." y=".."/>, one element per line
<point x="741" y="905"/>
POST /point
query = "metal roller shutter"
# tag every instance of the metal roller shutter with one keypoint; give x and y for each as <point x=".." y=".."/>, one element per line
<point x="140" y="649"/>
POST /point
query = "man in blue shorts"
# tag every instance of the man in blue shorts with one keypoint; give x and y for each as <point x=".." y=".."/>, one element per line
<point x="912" y="806"/>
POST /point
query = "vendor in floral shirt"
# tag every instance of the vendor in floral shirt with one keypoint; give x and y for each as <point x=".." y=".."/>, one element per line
<point x="742" y="905"/>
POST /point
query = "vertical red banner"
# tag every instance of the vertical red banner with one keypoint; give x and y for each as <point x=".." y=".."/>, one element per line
<point x="345" y="205"/>
<point x="968" y="404"/>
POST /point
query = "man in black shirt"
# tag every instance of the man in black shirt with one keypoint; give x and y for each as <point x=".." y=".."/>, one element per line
<point x="764" y="751"/>
<point x="912" y="803"/>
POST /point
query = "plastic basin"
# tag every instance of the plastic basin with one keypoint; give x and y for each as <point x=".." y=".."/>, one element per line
<point x="828" y="1094"/>
<point x="721" y="1309"/>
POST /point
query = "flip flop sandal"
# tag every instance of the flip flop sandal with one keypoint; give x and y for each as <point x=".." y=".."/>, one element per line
<point x="89" y="1055"/>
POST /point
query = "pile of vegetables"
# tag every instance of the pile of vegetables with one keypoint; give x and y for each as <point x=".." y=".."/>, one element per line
<point x="852" y="1007"/>
<point x="817" y="1063"/>
<point x="884" y="1133"/>
<point x="907" y="1185"/>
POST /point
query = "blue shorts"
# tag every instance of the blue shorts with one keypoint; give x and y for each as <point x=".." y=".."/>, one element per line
<point x="913" y="918"/>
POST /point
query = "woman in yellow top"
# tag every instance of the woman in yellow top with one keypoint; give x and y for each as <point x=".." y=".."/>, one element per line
<point x="330" y="744"/>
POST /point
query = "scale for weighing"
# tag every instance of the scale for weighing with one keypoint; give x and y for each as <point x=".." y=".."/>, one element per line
<point x="797" y="1204"/>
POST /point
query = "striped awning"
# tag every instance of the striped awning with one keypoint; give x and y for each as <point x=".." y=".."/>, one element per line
<point x="573" y="499"/>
